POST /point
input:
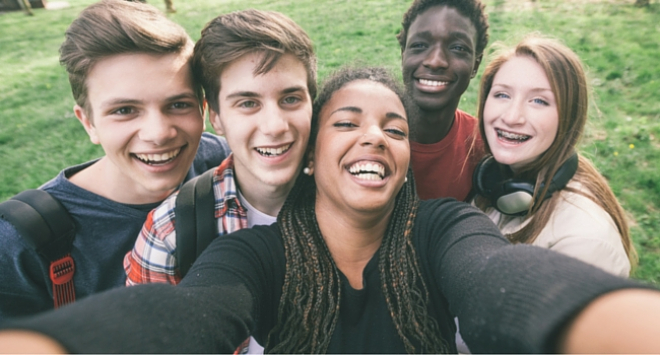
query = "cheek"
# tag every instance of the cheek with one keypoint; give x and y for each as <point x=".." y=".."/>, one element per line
<point x="551" y="128"/>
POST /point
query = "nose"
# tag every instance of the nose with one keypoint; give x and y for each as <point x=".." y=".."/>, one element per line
<point x="274" y="122"/>
<point x="514" y="113"/>
<point x="436" y="58"/>
<point x="373" y="136"/>
<point x="157" y="128"/>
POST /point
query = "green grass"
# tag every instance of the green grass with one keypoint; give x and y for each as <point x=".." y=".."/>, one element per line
<point x="617" y="42"/>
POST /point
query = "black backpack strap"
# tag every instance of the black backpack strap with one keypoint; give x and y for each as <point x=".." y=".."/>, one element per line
<point x="195" y="219"/>
<point x="46" y="226"/>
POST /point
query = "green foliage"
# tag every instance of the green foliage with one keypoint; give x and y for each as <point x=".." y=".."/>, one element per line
<point x="617" y="42"/>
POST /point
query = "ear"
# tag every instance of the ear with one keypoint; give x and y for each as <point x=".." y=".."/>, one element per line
<point x="216" y="123"/>
<point x="477" y="62"/>
<point x="205" y="106"/>
<point x="309" y="161"/>
<point x="87" y="123"/>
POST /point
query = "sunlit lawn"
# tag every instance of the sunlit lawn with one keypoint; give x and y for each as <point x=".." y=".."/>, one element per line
<point x="619" y="44"/>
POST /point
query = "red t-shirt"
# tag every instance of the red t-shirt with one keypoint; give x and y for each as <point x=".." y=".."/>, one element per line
<point x="443" y="169"/>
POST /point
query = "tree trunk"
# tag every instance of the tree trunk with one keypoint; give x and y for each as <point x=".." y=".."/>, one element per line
<point x="641" y="3"/>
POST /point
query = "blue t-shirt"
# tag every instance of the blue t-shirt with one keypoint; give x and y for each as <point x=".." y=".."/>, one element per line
<point x="105" y="231"/>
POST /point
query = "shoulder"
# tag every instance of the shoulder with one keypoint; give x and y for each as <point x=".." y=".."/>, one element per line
<point x="466" y="122"/>
<point x="213" y="141"/>
<point x="448" y="216"/>
<point x="579" y="227"/>
<point x="577" y="211"/>
<point x="463" y="116"/>
<point x="212" y="151"/>
<point x="466" y="130"/>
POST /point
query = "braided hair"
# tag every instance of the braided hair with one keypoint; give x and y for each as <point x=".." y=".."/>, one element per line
<point x="311" y="294"/>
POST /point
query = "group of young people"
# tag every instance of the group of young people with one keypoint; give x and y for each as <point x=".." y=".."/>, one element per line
<point x="326" y="246"/>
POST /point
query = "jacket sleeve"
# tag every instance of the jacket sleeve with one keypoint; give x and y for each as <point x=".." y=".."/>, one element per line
<point x="508" y="298"/>
<point x="24" y="281"/>
<point x="213" y="310"/>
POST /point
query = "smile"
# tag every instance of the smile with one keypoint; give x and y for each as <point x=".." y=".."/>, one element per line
<point x="512" y="137"/>
<point x="156" y="159"/>
<point x="273" y="152"/>
<point x="372" y="171"/>
<point x="432" y="82"/>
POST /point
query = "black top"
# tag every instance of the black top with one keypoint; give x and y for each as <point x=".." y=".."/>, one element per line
<point x="508" y="298"/>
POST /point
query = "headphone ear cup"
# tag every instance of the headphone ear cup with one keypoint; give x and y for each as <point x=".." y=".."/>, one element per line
<point x="478" y="176"/>
<point x="509" y="196"/>
<point x="514" y="198"/>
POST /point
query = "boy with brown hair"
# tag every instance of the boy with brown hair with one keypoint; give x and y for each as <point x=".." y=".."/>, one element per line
<point x="130" y="75"/>
<point x="258" y="69"/>
<point x="442" y="44"/>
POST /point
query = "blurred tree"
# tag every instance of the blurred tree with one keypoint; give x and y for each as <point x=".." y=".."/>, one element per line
<point x="642" y="2"/>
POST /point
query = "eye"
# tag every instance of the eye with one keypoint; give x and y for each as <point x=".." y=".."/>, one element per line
<point x="500" y="95"/>
<point x="126" y="110"/>
<point x="291" y="100"/>
<point x="417" y="46"/>
<point x="248" y="104"/>
<point x="460" y="48"/>
<point x="344" y="124"/>
<point x="181" y="105"/>
<point x="397" y="132"/>
<point x="540" y="102"/>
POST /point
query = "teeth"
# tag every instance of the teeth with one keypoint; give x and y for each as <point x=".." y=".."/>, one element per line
<point x="512" y="136"/>
<point x="432" y="82"/>
<point x="158" y="158"/>
<point x="368" y="171"/>
<point x="269" y="152"/>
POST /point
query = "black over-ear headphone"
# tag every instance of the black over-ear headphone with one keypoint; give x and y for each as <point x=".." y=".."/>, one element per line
<point x="512" y="196"/>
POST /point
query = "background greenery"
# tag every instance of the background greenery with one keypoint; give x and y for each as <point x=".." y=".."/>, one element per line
<point x="619" y="44"/>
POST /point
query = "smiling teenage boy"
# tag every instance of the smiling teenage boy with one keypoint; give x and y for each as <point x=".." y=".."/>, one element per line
<point x="258" y="70"/>
<point x="130" y="74"/>
<point x="442" y="44"/>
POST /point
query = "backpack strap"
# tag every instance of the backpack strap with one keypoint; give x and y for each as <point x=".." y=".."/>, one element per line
<point x="195" y="219"/>
<point x="46" y="226"/>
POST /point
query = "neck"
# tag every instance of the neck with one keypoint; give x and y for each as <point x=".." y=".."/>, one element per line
<point x="266" y="199"/>
<point x="103" y="179"/>
<point x="352" y="238"/>
<point x="428" y="127"/>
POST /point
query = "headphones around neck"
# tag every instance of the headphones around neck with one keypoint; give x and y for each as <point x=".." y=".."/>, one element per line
<point x="512" y="196"/>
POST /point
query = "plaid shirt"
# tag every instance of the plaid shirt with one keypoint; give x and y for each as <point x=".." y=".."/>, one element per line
<point x="153" y="259"/>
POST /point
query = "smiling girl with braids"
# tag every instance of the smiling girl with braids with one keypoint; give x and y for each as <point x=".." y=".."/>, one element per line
<point x="357" y="263"/>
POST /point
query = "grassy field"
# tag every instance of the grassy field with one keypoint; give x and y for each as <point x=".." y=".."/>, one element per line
<point x="618" y="43"/>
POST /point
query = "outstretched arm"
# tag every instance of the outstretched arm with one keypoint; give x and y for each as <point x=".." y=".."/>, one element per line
<point x="212" y="311"/>
<point x="28" y="342"/>
<point x="626" y="321"/>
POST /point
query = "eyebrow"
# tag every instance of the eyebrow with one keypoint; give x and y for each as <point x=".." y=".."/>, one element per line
<point x="254" y="94"/>
<point x="394" y="115"/>
<point x="126" y="101"/>
<point x="459" y="34"/>
<point x="347" y="108"/>
<point x="188" y="95"/>
<point x="536" y="89"/>
<point x="390" y="115"/>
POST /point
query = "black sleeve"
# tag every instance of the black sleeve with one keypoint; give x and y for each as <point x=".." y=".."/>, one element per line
<point x="508" y="298"/>
<point x="212" y="311"/>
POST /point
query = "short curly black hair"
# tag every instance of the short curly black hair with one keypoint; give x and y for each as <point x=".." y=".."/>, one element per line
<point x="472" y="9"/>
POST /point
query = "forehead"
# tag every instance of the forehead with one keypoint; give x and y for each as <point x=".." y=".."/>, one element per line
<point x="522" y="71"/>
<point x="442" y="21"/>
<point x="366" y="95"/>
<point x="239" y="75"/>
<point x="139" y="76"/>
